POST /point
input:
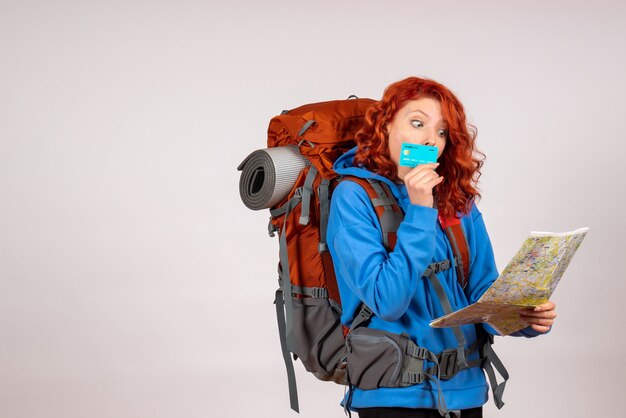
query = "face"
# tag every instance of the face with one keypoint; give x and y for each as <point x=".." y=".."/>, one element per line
<point x="419" y="121"/>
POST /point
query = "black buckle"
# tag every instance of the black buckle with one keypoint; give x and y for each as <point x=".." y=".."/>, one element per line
<point x="417" y="352"/>
<point x="319" y="293"/>
<point x="413" y="378"/>
<point x="421" y="353"/>
<point x="448" y="366"/>
<point x="441" y="266"/>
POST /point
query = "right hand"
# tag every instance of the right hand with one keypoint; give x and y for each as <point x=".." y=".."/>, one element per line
<point x="420" y="182"/>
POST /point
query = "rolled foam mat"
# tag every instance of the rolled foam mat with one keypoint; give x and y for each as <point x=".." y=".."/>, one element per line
<point x="267" y="175"/>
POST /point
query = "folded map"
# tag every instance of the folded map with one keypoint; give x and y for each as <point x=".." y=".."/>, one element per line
<point x="527" y="281"/>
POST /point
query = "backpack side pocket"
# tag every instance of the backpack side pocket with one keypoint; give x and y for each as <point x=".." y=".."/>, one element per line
<point x="318" y="338"/>
<point x="375" y="358"/>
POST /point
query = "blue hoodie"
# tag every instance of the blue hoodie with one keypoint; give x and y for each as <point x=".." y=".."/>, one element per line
<point x="391" y="284"/>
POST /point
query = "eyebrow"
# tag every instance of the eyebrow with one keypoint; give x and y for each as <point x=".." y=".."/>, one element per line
<point x="429" y="118"/>
<point x="417" y="110"/>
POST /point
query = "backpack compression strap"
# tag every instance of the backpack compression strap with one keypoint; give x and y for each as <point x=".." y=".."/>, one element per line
<point x="303" y="197"/>
<point x="283" y="301"/>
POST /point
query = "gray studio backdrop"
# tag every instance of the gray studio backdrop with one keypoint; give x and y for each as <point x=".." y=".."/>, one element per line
<point x="134" y="283"/>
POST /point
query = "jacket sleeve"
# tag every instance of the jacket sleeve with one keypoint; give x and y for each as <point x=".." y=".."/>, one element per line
<point x="386" y="282"/>
<point x="483" y="270"/>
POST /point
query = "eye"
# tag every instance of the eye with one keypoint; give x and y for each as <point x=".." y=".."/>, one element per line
<point x="442" y="133"/>
<point x="417" y="123"/>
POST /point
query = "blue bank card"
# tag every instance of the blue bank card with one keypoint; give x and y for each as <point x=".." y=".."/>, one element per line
<point x="412" y="155"/>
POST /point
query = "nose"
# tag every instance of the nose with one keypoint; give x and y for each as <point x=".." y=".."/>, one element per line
<point x="430" y="139"/>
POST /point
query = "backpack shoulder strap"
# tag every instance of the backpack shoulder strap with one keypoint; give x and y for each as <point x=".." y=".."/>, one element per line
<point x="390" y="216"/>
<point x="387" y="210"/>
<point x="454" y="231"/>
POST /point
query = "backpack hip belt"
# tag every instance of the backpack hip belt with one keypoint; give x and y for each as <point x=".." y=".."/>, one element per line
<point x="377" y="358"/>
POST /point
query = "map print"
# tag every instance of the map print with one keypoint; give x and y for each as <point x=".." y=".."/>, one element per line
<point x="527" y="281"/>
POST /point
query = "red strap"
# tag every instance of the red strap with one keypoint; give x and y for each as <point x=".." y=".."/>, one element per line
<point x="456" y="236"/>
<point x="447" y="222"/>
<point x="392" y="236"/>
<point x="450" y="225"/>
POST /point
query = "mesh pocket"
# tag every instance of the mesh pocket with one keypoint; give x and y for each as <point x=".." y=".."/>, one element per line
<point x="375" y="358"/>
<point x="318" y="338"/>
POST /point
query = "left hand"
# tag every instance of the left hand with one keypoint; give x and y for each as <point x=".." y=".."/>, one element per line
<point x="541" y="317"/>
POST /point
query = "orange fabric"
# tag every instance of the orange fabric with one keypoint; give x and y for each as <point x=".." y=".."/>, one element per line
<point x="453" y="230"/>
<point x="307" y="266"/>
<point x="332" y="134"/>
<point x="462" y="243"/>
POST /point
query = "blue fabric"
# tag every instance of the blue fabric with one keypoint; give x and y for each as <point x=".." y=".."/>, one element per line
<point x="391" y="284"/>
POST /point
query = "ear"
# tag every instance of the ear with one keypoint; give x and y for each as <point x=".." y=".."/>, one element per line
<point x="389" y="121"/>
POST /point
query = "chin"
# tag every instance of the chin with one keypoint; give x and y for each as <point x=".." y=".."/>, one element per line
<point x="402" y="172"/>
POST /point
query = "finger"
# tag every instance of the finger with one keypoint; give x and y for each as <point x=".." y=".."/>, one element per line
<point x="434" y="182"/>
<point x="538" y="321"/>
<point x="549" y="305"/>
<point x="541" y="315"/>
<point x="540" y="328"/>
<point x="416" y="176"/>
<point x="420" y="168"/>
<point x="421" y="177"/>
<point x="427" y="184"/>
<point x="430" y="165"/>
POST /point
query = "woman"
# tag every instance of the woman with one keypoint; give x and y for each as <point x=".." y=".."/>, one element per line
<point x="424" y="112"/>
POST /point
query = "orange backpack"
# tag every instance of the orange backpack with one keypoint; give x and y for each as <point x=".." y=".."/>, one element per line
<point x="307" y="141"/>
<point x="307" y="301"/>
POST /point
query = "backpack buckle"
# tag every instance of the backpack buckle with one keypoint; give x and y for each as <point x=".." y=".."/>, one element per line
<point x="417" y="352"/>
<point x="271" y="229"/>
<point x="410" y="378"/>
<point x="436" y="268"/>
<point x="312" y="145"/>
<point x="448" y="366"/>
<point x="319" y="293"/>
<point x="441" y="266"/>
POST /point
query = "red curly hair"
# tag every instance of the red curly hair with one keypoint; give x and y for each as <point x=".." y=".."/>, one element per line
<point x="460" y="162"/>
